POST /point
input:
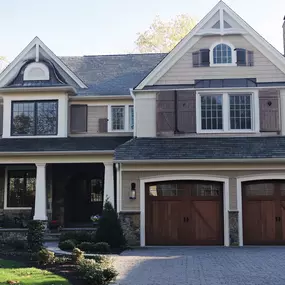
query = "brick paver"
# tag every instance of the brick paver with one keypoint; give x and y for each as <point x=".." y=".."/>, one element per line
<point x="202" y="266"/>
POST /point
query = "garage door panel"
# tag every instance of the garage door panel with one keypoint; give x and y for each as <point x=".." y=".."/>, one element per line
<point x="206" y="217"/>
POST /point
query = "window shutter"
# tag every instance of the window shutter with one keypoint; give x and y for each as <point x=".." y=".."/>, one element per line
<point x="241" y="57"/>
<point x="78" y="118"/>
<point x="186" y="110"/>
<point x="205" y="57"/>
<point x="103" y="125"/>
<point x="165" y="112"/>
<point x="1" y="119"/>
<point x="269" y="110"/>
<point x="196" y="59"/>
<point x="250" y="58"/>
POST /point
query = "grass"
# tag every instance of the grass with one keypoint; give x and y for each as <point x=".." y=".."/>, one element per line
<point x="16" y="273"/>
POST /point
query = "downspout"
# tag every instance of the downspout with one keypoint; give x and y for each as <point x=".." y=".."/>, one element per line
<point x="118" y="186"/>
<point x="135" y="116"/>
<point x="175" y="112"/>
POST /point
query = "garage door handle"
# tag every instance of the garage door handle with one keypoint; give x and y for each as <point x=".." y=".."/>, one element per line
<point x="278" y="219"/>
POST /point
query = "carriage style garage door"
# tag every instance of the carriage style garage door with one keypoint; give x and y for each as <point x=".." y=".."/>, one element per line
<point x="184" y="213"/>
<point x="264" y="212"/>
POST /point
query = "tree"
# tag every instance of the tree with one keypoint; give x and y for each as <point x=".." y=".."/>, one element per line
<point x="164" y="36"/>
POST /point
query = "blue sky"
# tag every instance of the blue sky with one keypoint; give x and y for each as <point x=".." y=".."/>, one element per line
<point x="73" y="27"/>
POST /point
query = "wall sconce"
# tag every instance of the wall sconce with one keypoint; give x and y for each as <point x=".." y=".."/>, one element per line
<point x="133" y="191"/>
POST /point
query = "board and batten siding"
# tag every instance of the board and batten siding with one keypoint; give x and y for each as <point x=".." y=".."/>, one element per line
<point x="129" y="177"/>
<point x="183" y="72"/>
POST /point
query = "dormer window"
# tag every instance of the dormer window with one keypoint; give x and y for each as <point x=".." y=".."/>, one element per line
<point x="36" y="71"/>
<point x="222" y="54"/>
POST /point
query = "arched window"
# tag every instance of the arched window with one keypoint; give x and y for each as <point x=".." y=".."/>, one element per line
<point x="222" y="54"/>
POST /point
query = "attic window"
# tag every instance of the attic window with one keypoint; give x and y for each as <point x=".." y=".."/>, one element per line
<point x="222" y="54"/>
<point x="36" y="71"/>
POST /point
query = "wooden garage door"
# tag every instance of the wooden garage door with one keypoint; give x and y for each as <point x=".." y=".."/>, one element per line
<point x="264" y="212"/>
<point x="184" y="213"/>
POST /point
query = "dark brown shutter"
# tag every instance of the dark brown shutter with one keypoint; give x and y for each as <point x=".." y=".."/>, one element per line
<point x="205" y="57"/>
<point x="269" y="110"/>
<point x="1" y="119"/>
<point x="78" y="118"/>
<point x="165" y="112"/>
<point x="103" y="125"/>
<point x="196" y="59"/>
<point x="241" y="56"/>
<point x="250" y="58"/>
<point x="186" y="111"/>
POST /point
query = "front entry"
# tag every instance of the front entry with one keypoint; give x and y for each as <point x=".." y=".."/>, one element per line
<point x="184" y="213"/>
<point x="264" y="212"/>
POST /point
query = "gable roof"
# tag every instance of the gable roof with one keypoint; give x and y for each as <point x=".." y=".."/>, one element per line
<point x="112" y="74"/>
<point x="197" y="32"/>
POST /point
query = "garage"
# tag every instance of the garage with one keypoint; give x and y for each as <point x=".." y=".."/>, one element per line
<point x="184" y="213"/>
<point x="263" y="212"/>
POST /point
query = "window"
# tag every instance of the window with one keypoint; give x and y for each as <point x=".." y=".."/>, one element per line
<point x="229" y="112"/>
<point x="21" y="188"/>
<point x="122" y="118"/>
<point x="96" y="190"/>
<point x="30" y="118"/>
<point x="222" y="54"/>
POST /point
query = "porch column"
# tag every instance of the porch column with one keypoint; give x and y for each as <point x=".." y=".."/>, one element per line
<point x="40" y="199"/>
<point x="109" y="188"/>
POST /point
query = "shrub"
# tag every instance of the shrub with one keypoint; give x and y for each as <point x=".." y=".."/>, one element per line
<point x="17" y="244"/>
<point x="45" y="256"/>
<point x="61" y="260"/>
<point x="96" y="273"/>
<point x="87" y="246"/>
<point x="101" y="247"/>
<point x="109" y="228"/>
<point x="78" y="236"/>
<point x="68" y="244"/>
<point x="77" y="255"/>
<point x="35" y="235"/>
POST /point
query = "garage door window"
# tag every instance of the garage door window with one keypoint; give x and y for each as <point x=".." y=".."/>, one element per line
<point x="165" y="190"/>
<point x="259" y="189"/>
<point x="207" y="190"/>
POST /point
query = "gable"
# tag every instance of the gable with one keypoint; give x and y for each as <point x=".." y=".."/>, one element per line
<point x="183" y="72"/>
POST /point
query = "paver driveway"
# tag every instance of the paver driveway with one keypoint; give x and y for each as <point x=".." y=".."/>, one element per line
<point x="202" y="266"/>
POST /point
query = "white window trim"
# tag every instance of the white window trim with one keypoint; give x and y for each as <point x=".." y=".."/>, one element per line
<point x="127" y="127"/>
<point x="36" y="65"/>
<point x="234" y="55"/>
<point x="226" y="111"/>
<point x="6" y="186"/>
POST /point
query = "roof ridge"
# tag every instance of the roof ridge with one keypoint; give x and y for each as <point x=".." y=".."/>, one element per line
<point x="118" y="54"/>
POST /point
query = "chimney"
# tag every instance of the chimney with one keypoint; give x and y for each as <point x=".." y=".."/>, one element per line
<point x="284" y="34"/>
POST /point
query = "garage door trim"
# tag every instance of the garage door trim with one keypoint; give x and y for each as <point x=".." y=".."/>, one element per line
<point x="222" y="179"/>
<point x="240" y="180"/>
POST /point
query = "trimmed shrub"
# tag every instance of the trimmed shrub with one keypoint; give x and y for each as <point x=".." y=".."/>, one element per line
<point x="101" y="247"/>
<point x="78" y="236"/>
<point x="35" y="235"/>
<point x="17" y="244"/>
<point x="68" y="244"/>
<point x="77" y="255"/>
<point x="87" y="246"/>
<point x="61" y="260"/>
<point x="109" y="228"/>
<point x="45" y="256"/>
<point x="96" y="273"/>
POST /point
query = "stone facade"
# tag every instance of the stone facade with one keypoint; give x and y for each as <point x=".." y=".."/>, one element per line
<point x="131" y="227"/>
<point x="233" y="224"/>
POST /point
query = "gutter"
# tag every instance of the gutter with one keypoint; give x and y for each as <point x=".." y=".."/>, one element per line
<point x="37" y="89"/>
<point x="46" y="153"/>
<point x="100" y="97"/>
<point x="238" y="160"/>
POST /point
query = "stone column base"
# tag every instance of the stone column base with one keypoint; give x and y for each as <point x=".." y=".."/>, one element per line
<point x="131" y="226"/>
<point x="233" y="224"/>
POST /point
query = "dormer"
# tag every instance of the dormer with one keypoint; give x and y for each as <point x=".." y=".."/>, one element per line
<point x="36" y="71"/>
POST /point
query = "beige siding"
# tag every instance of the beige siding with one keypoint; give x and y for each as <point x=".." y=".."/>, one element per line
<point x="94" y="114"/>
<point x="183" y="73"/>
<point x="130" y="177"/>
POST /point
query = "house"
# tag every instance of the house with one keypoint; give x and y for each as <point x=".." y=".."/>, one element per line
<point x="188" y="146"/>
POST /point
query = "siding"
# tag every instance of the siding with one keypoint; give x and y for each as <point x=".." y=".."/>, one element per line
<point x="135" y="176"/>
<point x="94" y="114"/>
<point x="184" y="73"/>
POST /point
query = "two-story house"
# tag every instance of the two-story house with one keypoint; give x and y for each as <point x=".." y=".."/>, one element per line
<point x="188" y="146"/>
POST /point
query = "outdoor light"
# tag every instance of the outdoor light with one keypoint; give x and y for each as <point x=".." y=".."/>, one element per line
<point x="133" y="191"/>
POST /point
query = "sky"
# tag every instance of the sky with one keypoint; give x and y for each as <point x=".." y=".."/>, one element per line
<point x="89" y="27"/>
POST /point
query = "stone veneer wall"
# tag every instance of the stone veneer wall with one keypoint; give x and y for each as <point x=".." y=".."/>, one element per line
<point x="131" y="226"/>
<point x="233" y="224"/>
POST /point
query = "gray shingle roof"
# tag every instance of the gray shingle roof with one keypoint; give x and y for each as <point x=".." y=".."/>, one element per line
<point x="61" y="144"/>
<point x="201" y="148"/>
<point x="112" y="74"/>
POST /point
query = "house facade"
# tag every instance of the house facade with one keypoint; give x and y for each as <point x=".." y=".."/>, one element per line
<point x="188" y="146"/>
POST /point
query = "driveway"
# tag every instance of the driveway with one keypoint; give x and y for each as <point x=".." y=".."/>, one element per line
<point x="202" y="266"/>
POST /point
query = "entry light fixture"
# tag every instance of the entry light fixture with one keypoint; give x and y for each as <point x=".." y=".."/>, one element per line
<point x="133" y="191"/>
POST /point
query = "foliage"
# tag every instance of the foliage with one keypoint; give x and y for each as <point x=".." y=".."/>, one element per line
<point x="87" y="246"/>
<point x="77" y="255"/>
<point x="61" y="260"/>
<point x="13" y="271"/>
<point x="45" y="256"/>
<point x="35" y="235"/>
<point x="96" y="273"/>
<point x="164" y="36"/>
<point x="17" y="244"/>
<point x="68" y="244"/>
<point x="78" y="236"/>
<point x="102" y="247"/>
<point x="109" y="228"/>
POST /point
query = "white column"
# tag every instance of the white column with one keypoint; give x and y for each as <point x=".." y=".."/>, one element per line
<point x="109" y="189"/>
<point x="282" y="111"/>
<point x="40" y="200"/>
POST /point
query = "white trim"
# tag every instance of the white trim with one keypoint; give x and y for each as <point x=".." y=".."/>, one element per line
<point x="255" y="121"/>
<point x="234" y="56"/>
<point x="225" y="180"/>
<point x="222" y="21"/>
<point x="239" y="181"/>
<point x="36" y="65"/>
<point x="118" y="194"/>
<point x="37" y="52"/>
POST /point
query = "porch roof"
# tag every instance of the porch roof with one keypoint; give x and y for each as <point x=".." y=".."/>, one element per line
<point x="201" y="148"/>
<point x="68" y="144"/>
